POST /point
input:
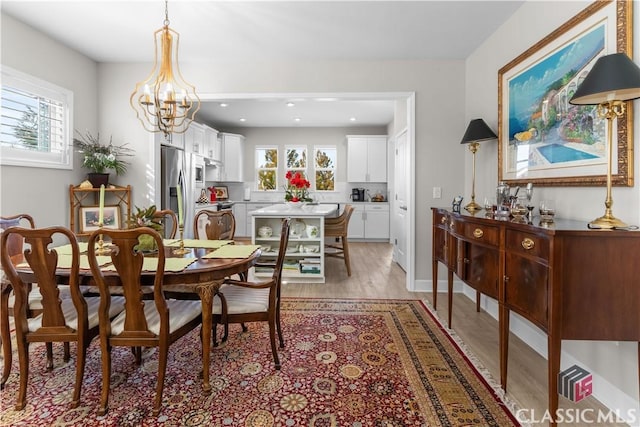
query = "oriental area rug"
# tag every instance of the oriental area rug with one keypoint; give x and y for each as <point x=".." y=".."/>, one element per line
<point x="349" y="363"/>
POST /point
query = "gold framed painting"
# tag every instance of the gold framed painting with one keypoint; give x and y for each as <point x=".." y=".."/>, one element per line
<point x="543" y="138"/>
<point x="89" y="216"/>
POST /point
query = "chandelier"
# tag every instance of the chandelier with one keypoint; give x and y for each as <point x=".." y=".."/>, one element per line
<point x="164" y="101"/>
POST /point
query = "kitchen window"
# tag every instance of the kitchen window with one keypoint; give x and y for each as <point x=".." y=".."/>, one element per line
<point x="325" y="168"/>
<point x="36" y="122"/>
<point x="267" y="168"/>
<point x="296" y="160"/>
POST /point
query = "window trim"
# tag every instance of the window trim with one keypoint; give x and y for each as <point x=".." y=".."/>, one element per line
<point x="304" y="170"/>
<point x="27" y="158"/>
<point x="258" y="169"/>
<point x="334" y="169"/>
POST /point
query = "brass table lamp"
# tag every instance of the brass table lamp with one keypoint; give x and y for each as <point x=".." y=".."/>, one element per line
<point x="613" y="80"/>
<point x="477" y="131"/>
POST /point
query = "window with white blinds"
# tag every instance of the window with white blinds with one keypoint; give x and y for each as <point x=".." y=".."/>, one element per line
<point x="36" y="122"/>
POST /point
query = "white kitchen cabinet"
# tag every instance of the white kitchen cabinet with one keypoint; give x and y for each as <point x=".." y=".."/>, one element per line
<point x="356" y="222"/>
<point x="240" y="215"/>
<point x="367" y="158"/>
<point x="369" y="221"/>
<point x="232" y="157"/>
<point x="376" y="224"/>
<point x="212" y="148"/>
<point x="194" y="139"/>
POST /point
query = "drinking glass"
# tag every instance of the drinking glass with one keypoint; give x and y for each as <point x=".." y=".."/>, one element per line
<point x="547" y="210"/>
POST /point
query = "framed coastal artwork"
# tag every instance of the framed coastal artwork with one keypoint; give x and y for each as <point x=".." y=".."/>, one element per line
<point x="89" y="216"/>
<point x="543" y="138"/>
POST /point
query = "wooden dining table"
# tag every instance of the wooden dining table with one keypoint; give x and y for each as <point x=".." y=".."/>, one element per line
<point x="202" y="277"/>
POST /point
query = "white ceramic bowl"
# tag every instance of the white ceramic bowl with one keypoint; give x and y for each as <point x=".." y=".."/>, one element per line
<point x="265" y="231"/>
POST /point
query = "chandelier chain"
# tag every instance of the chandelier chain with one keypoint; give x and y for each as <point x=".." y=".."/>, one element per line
<point x="166" y="13"/>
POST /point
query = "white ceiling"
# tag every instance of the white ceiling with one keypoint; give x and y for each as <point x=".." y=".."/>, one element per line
<point x="122" y="31"/>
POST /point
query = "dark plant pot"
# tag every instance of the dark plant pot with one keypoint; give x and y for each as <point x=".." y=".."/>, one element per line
<point x="97" y="179"/>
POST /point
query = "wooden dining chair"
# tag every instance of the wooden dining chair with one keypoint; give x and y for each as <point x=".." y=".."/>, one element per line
<point x="7" y="297"/>
<point x="255" y="301"/>
<point x="143" y="323"/>
<point x="214" y="225"/>
<point x="73" y="319"/>
<point x="169" y="221"/>
<point x="338" y="228"/>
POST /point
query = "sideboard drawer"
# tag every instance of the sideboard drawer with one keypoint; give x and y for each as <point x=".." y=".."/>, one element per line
<point x="525" y="243"/>
<point x="440" y="218"/>
<point x="481" y="233"/>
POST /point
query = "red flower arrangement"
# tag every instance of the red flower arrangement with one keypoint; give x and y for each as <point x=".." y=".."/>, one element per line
<point x="297" y="187"/>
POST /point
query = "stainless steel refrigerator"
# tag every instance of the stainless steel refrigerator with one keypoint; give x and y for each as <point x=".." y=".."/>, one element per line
<point x="177" y="167"/>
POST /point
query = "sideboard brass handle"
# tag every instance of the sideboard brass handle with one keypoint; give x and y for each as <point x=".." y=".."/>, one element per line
<point x="478" y="233"/>
<point x="443" y="219"/>
<point x="527" y="243"/>
<point x="451" y="224"/>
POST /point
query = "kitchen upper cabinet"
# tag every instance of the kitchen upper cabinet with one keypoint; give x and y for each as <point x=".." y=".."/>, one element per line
<point x="194" y="139"/>
<point x="232" y="157"/>
<point x="367" y="158"/>
<point x="212" y="148"/>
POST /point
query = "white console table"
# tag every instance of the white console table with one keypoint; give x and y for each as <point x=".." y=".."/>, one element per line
<point x="305" y="252"/>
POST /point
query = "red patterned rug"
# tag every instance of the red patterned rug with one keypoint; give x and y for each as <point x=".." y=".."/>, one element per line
<point x="346" y="363"/>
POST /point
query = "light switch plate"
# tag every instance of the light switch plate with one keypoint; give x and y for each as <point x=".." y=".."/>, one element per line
<point x="437" y="192"/>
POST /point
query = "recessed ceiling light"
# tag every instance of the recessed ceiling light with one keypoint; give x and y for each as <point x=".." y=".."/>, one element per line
<point x="224" y="104"/>
<point x="297" y="119"/>
<point x="243" y="119"/>
<point x="353" y="119"/>
<point x="290" y="104"/>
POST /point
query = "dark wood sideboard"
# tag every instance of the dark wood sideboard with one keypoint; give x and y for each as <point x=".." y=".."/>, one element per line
<point x="572" y="282"/>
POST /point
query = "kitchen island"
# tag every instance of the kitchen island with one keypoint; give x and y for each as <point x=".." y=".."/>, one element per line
<point x="304" y="261"/>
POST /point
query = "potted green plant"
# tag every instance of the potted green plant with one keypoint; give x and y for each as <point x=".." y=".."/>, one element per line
<point x="144" y="217"/>
<point x="99" y="158"/>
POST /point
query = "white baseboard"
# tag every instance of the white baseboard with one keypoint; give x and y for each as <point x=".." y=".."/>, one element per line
<point x="607" y="393"/>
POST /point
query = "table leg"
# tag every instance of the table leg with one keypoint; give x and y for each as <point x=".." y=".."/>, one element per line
<point x="206" y="291"/>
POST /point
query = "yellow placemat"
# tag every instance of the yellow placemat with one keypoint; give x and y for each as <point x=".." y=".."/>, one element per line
<point x="64" y="261"/>
<point x="170" y="264"/>
<point x="196" y="243"/>
<point x="233" y="251"/>
<point x="66" y="249"/>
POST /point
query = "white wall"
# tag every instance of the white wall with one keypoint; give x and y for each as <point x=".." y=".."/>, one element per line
<point x="614" y="364"/>
<point x="44" y="193"/>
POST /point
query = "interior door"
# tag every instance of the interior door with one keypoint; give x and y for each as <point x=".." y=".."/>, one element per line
<point x="400" y="218"/>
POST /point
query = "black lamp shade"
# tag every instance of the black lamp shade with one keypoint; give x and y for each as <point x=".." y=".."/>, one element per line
<point x="477" y="131"/>
<point x="613" y="77"/>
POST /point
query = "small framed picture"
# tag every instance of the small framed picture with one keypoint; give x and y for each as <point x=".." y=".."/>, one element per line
<point x="222" y="192"/>
<point x="89" y="216"/>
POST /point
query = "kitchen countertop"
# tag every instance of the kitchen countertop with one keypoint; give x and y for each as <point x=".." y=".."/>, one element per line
<point x="279" y="210"/>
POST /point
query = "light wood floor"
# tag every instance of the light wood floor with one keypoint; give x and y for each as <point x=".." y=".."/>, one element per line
<point x="374" y="275"/>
